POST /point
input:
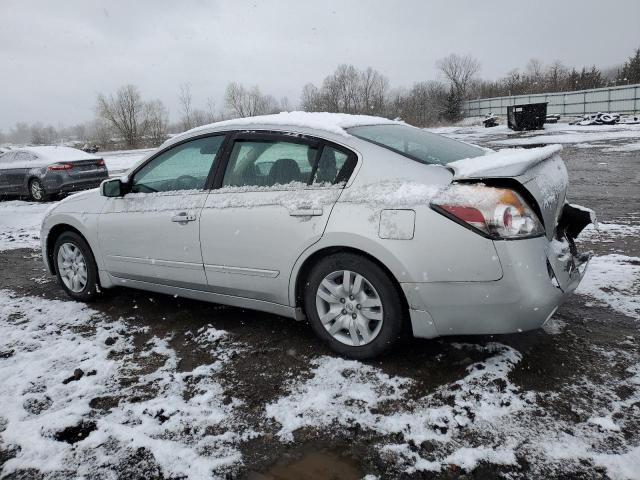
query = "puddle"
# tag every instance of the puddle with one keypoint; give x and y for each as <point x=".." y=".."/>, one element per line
<point x="312" y="466"/>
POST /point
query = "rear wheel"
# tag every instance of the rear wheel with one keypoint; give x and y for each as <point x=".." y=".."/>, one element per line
<point x="75" y="267"/>
<point x="353" y="306"/>
<point x="37" y="192"/>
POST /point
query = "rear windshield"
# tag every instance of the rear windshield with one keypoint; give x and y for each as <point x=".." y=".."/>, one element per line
<point x="416" y="143"/>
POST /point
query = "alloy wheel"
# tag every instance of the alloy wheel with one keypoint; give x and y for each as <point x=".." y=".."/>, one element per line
<point x="72" y="267"/>
<point x="349" y="308"/>
<point x="37" y="192"/>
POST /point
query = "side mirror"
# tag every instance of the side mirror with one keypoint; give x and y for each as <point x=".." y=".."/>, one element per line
<point x="112" y="188"/>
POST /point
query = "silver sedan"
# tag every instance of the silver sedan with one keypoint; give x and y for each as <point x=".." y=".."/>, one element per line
<point x="365" y="227"/>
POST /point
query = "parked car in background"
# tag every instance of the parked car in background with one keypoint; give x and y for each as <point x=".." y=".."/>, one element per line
<point x="42" y="172"/>
<point x="364" y="226"/>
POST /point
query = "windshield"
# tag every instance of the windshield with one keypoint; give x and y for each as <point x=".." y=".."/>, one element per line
<point x="417" y="144"/>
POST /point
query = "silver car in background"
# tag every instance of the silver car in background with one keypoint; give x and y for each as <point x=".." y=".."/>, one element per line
<point x="365" y="227"/>
<point x="42" y="172"/>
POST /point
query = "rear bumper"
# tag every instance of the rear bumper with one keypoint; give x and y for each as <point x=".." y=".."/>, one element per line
<point x="66" y="185"/>
<point x="523" y="299"/>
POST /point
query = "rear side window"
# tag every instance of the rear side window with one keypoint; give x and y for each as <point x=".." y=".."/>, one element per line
<point x="334" y="166"/>
<point x="417" y="144"/>
<point x="266" y="163"/>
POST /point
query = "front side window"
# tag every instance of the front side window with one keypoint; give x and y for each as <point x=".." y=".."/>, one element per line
<point x="267" y="163"/>
<point x="183" y="167"/>
<point x="417" y="144"/>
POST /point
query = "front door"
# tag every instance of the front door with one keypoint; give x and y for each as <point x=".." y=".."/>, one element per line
<point x="152" y="233"/>
<point x="274" y="202"/>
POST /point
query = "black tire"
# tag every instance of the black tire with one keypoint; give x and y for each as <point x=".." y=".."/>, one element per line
<point x="92" y="287"/>
<point x="37" y="193"/>
<point x="393" y="312"/>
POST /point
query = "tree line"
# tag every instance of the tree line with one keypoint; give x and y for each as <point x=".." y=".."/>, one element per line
<point x="124" y="119"/>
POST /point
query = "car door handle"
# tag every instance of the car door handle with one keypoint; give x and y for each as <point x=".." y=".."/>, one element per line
<point x="183" y="217"/>
<point x="306" y="212"/>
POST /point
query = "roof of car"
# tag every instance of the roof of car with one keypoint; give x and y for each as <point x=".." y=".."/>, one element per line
<point x="59" y="153"/>
<point x="335" y="123"/>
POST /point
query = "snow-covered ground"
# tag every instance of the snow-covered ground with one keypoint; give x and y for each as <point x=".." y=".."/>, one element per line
<point x="20" y="224"/>
<point x="591" y="136"/>
<point x="59" y="356"/>
<point x="121" y="160"/>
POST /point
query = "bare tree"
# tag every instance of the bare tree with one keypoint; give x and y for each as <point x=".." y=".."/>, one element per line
<point x="459" y="70"/>
<point x="100" y="133"/>
<point x="124" y="112"/>
<point x="211" y="110"/>
<point x="244" y="102"/>
<point x="41" y="135"/>
<point x="20" y="133"/>
<point x="156" y="119"/>
<point x="310" y="100"/>
<point x="348" y="90"/>
<point x="185" y="99"/>
<point x="373" y="89"/>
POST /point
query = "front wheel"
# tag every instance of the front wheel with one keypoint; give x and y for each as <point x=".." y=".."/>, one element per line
<point x="37" y="191"/>
<point x="75" y="267"/>
<point x="353" y="305"/>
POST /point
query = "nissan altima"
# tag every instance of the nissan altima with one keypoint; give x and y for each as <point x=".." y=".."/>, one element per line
<point x="367" y="228"/>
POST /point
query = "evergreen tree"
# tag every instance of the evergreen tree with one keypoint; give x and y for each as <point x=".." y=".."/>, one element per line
<point x="630" y="72"/>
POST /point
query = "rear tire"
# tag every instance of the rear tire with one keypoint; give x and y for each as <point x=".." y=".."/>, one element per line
<point x="37" y="193"/>
<point x="360" y="320"/>
<point x="76" y="267"/>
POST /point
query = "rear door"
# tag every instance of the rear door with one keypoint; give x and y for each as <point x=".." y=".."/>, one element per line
<point x="276" y="195"/>
<point x="152" y="233"/>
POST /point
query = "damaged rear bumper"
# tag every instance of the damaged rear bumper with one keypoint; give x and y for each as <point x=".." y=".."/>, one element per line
<point x="538" y="276"/>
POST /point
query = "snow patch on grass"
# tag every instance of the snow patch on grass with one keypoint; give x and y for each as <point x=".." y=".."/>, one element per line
<point x="183" y="419"/>
<point x="614" y="280"/>
<point x="20" y="224"/>
<point x="349" y="393"/>
<point x="629" y="147"/>
<point x="608" y="231"/>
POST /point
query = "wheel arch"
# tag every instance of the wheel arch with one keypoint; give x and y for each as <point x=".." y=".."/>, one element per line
<point x="52" y="237"/>
<point x="305" y="265"/>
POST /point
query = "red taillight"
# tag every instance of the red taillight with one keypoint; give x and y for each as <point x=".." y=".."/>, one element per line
<point x="468" y="214"/>
<point x="495" y="212"/>
<point x="100" y="163"/>
<point x="60" y="166"/>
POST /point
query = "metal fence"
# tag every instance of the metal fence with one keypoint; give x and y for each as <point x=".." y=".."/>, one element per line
<point x="624" y="99"/>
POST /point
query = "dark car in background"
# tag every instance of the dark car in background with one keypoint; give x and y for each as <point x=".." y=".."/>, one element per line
<point x="42" y="172"/>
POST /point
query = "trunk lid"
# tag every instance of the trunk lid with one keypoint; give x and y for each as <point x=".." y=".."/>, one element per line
<point x="87" y="168"/>
<point x="540" y="171"/>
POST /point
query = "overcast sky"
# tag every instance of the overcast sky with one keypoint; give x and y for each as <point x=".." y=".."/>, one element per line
<point x="55" y="56"/>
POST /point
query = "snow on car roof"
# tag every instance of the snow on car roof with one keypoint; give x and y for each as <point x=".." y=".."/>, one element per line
<point x="59" y="153"/>
<point x="329" y="122"/>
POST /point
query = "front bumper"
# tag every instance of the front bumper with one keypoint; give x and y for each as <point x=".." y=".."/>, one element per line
<point x="537" y="279"/>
